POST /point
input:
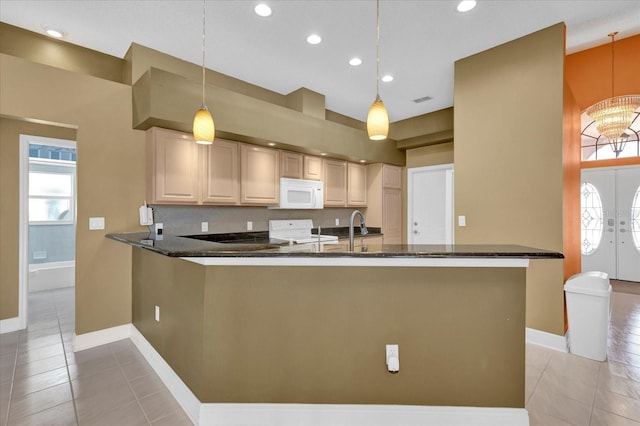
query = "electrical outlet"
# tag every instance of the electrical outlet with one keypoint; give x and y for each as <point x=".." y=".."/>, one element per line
<point x="204" y="227"/>
<point x="393" y="358"/>
<point x="392" y="352"/>
<point x="157" y="313"/>
<point x="249" y="225"/>
<point x="337" y="221"/>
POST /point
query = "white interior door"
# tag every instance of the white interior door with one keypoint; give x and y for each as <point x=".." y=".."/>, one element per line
<point x="610" y="217"/>
<point x="430" y="205"/>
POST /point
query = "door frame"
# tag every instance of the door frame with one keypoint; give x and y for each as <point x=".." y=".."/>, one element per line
<point x="23" y="217"/>
<point x="449" y="197"/>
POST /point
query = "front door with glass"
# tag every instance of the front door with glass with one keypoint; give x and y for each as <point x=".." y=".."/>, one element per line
<point x="610" y="217"/>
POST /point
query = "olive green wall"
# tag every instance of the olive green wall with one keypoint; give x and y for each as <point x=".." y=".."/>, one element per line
<point x="39" y="48"/>
<point x="10" y="131"/>
<point x="509" y="158"/>
<point x="110" y="173"/>
<point x="254" y="334"/>
<point x="430" y="155"/>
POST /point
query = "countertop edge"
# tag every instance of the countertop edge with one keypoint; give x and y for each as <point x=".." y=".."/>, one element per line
<point x="204" y="251"/>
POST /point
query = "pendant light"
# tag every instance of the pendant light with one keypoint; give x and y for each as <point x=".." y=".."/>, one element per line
<point x="203" y="128"/>
<point x="378" y="118"/>
<point x="614" y="115"/>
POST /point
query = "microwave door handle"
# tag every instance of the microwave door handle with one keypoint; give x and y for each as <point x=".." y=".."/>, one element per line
<point x="313" y="197"/>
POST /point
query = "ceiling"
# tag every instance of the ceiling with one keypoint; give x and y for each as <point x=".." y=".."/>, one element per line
<point x="419" y="40"/>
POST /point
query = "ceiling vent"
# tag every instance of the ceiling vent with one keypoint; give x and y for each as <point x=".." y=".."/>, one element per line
<point x="422" y="99"/>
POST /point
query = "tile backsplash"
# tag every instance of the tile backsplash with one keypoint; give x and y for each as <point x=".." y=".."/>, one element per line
<point x="186" y="220"/>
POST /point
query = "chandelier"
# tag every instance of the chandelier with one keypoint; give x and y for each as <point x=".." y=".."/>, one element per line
<point x="614" y="115"/>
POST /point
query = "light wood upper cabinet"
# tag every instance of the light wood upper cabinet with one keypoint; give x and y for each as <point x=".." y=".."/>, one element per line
<point x="259" y="175"/>
<point x="391" y="176"/>
<point x="335" y="183"/>
<point x="313" y="168"/>
<point x="291" y="164"/>
<point x="356" y="184"/>
<point x="173" y="167"/>
<point x="221" y="180"/>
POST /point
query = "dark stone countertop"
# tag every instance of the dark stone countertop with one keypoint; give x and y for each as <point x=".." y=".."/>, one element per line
<point x="259" y="246"/>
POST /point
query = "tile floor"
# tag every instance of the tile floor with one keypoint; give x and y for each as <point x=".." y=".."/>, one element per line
<point x="564" y="389"/>
<point x="42" y="382"/>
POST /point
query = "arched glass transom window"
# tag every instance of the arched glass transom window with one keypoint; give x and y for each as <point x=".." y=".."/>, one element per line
<point x="591" y="218"/>
<point x="635" y="218"/>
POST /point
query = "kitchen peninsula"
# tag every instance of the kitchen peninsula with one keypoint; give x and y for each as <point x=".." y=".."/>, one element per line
<point x="285" y="324"/>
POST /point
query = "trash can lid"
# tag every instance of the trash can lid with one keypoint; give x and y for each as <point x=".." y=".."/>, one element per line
<point x="592" y="282"/>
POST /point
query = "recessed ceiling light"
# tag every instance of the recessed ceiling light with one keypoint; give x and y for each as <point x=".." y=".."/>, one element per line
<point x="363" y="161"/>
<point x="387" y="78"/>
<point x="314" y="39"/>
<point x="271" y="144"/>
<point x="355" y="62"/>
<point x="54" y="32"/>
<point x="323" y="153"/>
<point x="262" y="9"/>
<point x="466" y="5"/>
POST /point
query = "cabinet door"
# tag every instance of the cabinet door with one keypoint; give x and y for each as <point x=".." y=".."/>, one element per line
<point x="260" y="175"/>
<point x="392" y="216"/>
<point x="290" y="164"/>
<point x="335" y="182"/>
<point x="174" y="167"/>
<point x="391" y="176"/>
<point x="221" y="182"/>
<point x="356" y="184"/>
<point x="312" y="168"/>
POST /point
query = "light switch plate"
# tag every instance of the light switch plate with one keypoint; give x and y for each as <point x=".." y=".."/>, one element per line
<point x="96" y="223"/>
<point x="249" y="226"/>
<point x="462" y="221"/>
<point x="204" y="227"/>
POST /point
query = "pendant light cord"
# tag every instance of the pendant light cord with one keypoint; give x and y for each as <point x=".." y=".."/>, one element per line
<point x="204" y="14"/>
<point x="377" y="49"/>
<point x="613" y="36"/>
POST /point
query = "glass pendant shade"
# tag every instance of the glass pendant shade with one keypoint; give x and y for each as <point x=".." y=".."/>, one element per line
<point x="203" y="129"/>
<point x="377" y="121"/>
<point x="613" y="116"/>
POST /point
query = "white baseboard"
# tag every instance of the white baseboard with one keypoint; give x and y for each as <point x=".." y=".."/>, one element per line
<point x="181" y="392"/>
<point x="10" y="324"/>
<point x="321" y="414"/>
<point x="101" y="337"/>
<point x="548" y="340"/>
<point x="358" y="415"/>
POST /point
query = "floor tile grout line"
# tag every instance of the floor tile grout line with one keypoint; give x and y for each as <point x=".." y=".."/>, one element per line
<point x="66" y="363"/>
<point x="595" y="394"/>
<point x="535" y="386"/>
<point x="144" y="413"/>
<point x="13" y="378"/>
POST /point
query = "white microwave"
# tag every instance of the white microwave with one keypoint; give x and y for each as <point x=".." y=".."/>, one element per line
<point x="301" y="194"/>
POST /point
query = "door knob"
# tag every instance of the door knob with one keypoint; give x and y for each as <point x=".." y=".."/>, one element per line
<point x="415" y="223"/>
<point x="415" y="232"/>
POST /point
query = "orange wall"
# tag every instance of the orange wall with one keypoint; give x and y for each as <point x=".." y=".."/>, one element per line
<point x="571" y="187"/>
<point x="589" y="72"/>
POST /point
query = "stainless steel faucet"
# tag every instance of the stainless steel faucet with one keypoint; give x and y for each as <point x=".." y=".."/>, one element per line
<point x="363" y="227"/>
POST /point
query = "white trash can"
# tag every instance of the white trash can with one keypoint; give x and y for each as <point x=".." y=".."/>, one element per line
<point x="588" y="309"/>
